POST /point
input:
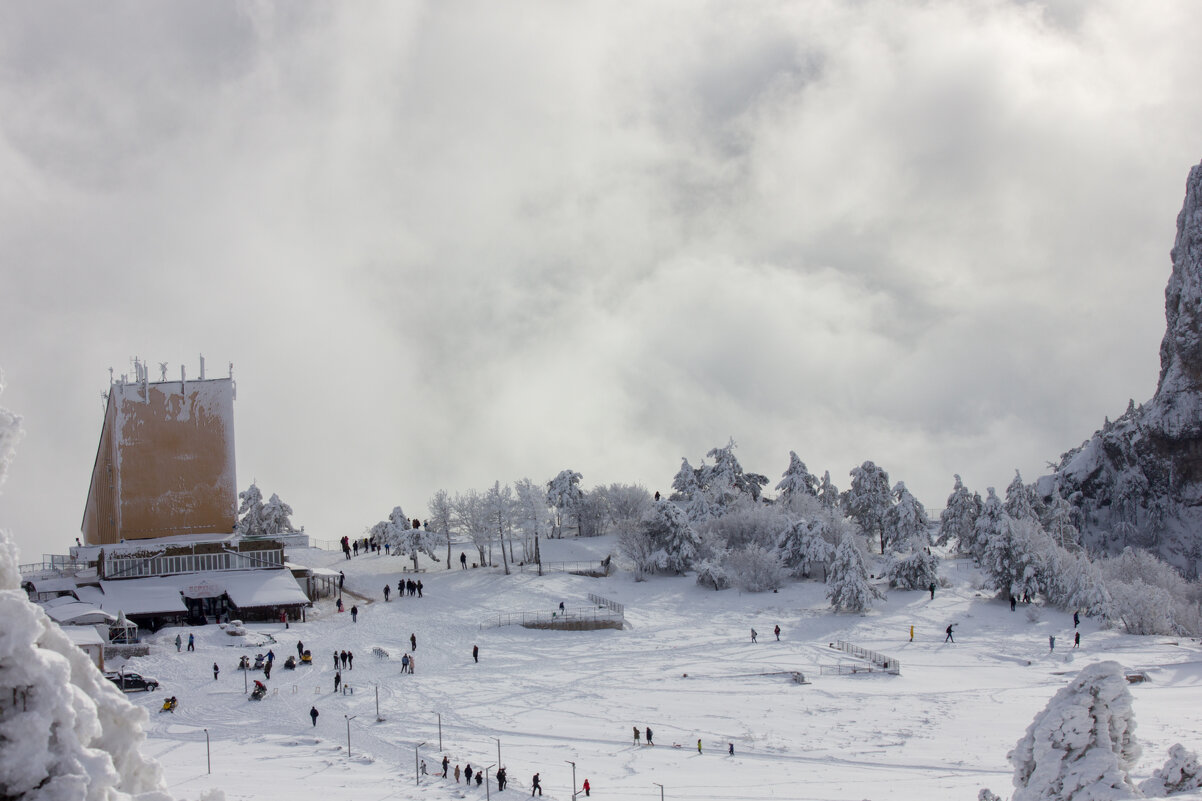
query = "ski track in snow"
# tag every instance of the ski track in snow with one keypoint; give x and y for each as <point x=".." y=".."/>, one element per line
<point x="940" y="730"/>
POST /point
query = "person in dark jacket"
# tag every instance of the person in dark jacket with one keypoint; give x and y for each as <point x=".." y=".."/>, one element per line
<point x="502" y="778"/>
<point x="649" y="740"/>
<point x="313" y="714"/>
<point x="413" y="641"/>
<point x="467" y="773"/>
<point x="535" y="785"/>
<point x="949" y="637"/>
<point x="475" y="653"/>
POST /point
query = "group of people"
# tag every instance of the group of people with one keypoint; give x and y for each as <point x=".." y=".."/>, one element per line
<point x="637" y="732"/>
<point x="191" y="642"/>
<point x="404" y="587"/>
<point x="775" y="630"/>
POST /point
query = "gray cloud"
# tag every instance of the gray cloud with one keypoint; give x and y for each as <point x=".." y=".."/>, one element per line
<point x="447" y="244"/>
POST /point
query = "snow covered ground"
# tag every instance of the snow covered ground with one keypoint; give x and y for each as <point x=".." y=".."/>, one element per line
<point x="685" y="666"/>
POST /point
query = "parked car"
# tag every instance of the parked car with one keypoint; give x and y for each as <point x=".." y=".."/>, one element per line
<point x="132" y="681"/>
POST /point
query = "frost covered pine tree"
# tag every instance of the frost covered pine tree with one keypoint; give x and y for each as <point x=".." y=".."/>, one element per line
<point x="869" y="499"/>
<point x="916" y="570"/>
<point x="250" y="511"/>
<point x="989" y="524"/>
<point x="564" y="495"/>
<point x="906" y="522"/>
<point x="796" y="480"/>
<point x="1083" y="742"/>
<point x="803" y="544"/>
<point x="276" y="517"/>
<point x="828" y="493"/>
<point x="403" y="538"/>
<point x="725" y="482"/>
<point x="958" y="517"/>
<point x="848" y="587"/>
<point x="675" y="541"/>
<point x="1018" y="500"/>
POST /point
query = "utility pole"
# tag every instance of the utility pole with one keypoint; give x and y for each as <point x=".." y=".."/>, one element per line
<point x="661" y="790"/>
<point x="208" y="751"/>
<point x="439" y="730"/>
<point x="498" y="751"/>
<point x="417" y="776"/>
<point x="348" y="734"/>
<point x="573" y="764"/>
<point x="487" y="794"/>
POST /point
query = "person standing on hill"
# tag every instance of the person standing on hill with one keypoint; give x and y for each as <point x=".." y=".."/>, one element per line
<point x="456" y="774"/>
<point x="1076" y="639"/>
<point x="586" y="788"/>
<point x="337" y="680"/>
<point x="932" y="588"/>
<point x="413" y="641"/>
<point x="467" y="773"/>
<point x="776" y="631"/>
<point x="911" y="634"/>
<point x="699" y="745"/>
<point x="649" y="740"/>
<point x="753" y="635"/>
<point x="300" y="649"/>
<point x="1076" y="619"/>
<point x="354" y="614"/>
<point x="387" y="592"/>
<point x="535" y="785"/>
<point x="1051" y="643"/>
<point x="636" y="735"/>
<point x="191" y="642"/>
<point x="475" y="653"/>
<point x="313" y="714"/>
<point x="463" y="560"/>
<point x="419" y="588"/>
<point x="216" y="670"/>
<point x="178" y="643"/>
<point x="446" y="763"/>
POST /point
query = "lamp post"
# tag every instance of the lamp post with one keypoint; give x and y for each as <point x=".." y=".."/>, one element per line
<point x="417" y="777"/>
<point x="487" y="794"/>
<point x="378" y="718"/>
<point x="245" y="681"/>
<point x="573" y="764"/>
<point x="439" y="730"/>
<point x="498" y="739"/>
<point x="349" y="718"/>
<point x="661" y="790"/>
<point x="208" y="751"/>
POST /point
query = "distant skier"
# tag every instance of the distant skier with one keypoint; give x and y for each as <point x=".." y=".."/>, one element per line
<point x="475" y="653"/>
<point x="776" y="631"/>
<point x="949" y="637"/>
<point x="753" y="635"/>
<point x="313" y="714"/>
<point x="535" y="785"/>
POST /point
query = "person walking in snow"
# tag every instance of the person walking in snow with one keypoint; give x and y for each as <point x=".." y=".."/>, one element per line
<point x="191" y="642"/>
<point x="300" y="649"/>
<point x="1013" y="603"/>
<point x="178" y="643"/>
<point x="337" y="680"/>
<point x="313" y="714"/>
<point x="335" y="660"/>
<point x="1076" y="619"/>
<point x="342" y="656"/>
<point x="1051" y="643"/>
<point x="753" y="635"/>
<point x="405" y="663"/>
<point x="535" y="785"/>
<point x="776" y="631"/>
<point x="456" y="774"/>
<point x="350" y="660"/>
<point x="1076" y="639"/>
<point x="949" y="637"/>
<point x="463" y="560"/>
<point x="340" y="605"/>
<point x="479" y="778"/>
<point x="341" y="580"/>
<point x="649" y="740"/>
<point x="446" y="763"/>
<point x="475" y="653"/>
<point x="412" y="663"/>
<point x="932" y="590"/>
<point x="467" y="773"/>
<point x="911" y="634"/>
<point x="419" y="588"/>
<point x="216" y="670"/>
<point x="699" y="745"/>
<point x="502" y="778"/>
<point x="354" y="614"/>
<point x="413" y="641"/>
<point x="730" y="748"/>
<point x="387" y="592"/>
<point x="636" y="735"/>
<point x="267" y="669"/>
<point x="586" y="788"/>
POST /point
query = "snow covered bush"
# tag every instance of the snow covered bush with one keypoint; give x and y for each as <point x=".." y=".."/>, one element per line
<point x="676" y="542"/>
<point x="637" y="546"/>
<point x="848" y="587"/>
<point x="805" y="544"/>
<point x="1180" y="774"/>
<point x="402" y="538"/>
<point x="755" y="568"/>
<point x="712" y="573"/>
<point x="745" y="524"/>
<point x="1082" y="744"/>
<point x="915" y="571"/>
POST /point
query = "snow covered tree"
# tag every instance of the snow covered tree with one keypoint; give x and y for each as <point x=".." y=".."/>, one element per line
<point x="276" y="517"/>
<point x="564" y="496"/>
<point x="916" y="570"/>
<point x="906" y="522"/>
<point x="746" y="524"/>
<point x="1018" y="500"/>
<point x="1060" y="522"/>
<point x="712" y="573"/>
<point x="755" y="568"/>
<point x="1076" y="583"/>
<point x="440" y="519"/>
<point x="1082" y="744"/>
<point x="804" y="544"/>
<point x="10" y="432"/>
<point x="1016" y="556"/>
<point x="250" y="511"/>
<point x="471" y="518"/>
<point x="675" y="541"/>
<point x="828" y="493"/>
<point x="848" y="586"/>
<point x="958" y="517"/>
<point x="724" y="482"/>
<point x="402" y="538"/>
<point x="531" y="515"/>
<point x="796" y="480"/>
<point x="869" y="499"/>
<point x="500" y="509"/>
<point x="1181" y="773"/>
<point x="990" y="523"/>
<point x="637" y="545"/>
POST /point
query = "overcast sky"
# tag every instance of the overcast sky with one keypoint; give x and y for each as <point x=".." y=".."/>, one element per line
<point x="451" y="243"/>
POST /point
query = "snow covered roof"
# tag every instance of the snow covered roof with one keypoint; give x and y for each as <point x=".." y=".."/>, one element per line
<point x="89" y="553"/>
<point x="80" y="614"/>
<point x="53" y="584"/>
<point x="83" y="635"/>
<point x="165" y="594"/>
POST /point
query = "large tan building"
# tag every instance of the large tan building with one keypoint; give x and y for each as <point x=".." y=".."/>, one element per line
<point x="165" y="463"/>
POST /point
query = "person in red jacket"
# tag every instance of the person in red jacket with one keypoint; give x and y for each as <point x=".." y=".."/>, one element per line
<point x="586" y="787"/>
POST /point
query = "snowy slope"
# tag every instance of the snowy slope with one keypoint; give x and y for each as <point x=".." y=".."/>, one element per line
<point x="940" y="730"/>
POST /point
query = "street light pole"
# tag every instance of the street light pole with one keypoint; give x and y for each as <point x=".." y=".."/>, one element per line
<point x="348" y="734"/>
<point x="498" y="739"/>
<point x="661" y="790"/>
<point x="378" y="718"/>
<point x="487" y="794"/>
<point x="208" y="751"/>
<point x="573" y="764"/>
<point x="439" y="730"/>
<point x="417" y="777"/>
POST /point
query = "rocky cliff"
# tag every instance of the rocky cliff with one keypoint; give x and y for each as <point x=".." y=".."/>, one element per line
<point x="1138" y="481"/>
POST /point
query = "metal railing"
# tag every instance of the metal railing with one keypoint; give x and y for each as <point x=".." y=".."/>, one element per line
<point x="591" y="614"/>
<point x="605" y="603"/>
<point x="878" y="660"/>
<point x="581" y="568"/>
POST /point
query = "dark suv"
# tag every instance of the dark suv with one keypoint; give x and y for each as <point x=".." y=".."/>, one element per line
<point x="129" y="682"/>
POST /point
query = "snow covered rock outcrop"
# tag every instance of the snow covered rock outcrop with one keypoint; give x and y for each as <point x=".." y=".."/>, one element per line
<point x="1082" y="744"/>
<point x="1138" y="481"/>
